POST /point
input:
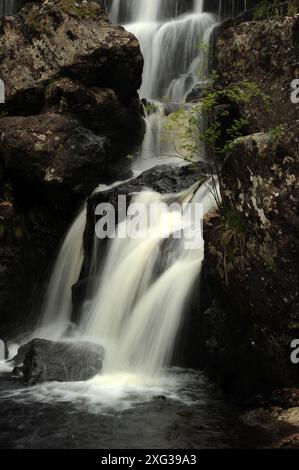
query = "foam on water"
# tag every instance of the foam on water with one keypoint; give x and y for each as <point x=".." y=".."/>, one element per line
<point x="110" y="393"/>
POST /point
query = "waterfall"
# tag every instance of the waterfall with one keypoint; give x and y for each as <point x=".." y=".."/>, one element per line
<point x="57" y="304"/>
<point x="137" y="303"/>
<point x="56" y="307"/>
<point x="7" y="7"/>
<point x="170" y="46"/>
<point x="136" y="313"/>
<point x="174" y="43"/>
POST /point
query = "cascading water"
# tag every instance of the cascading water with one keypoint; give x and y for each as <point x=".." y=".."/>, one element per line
<point x="7" y="7"/>
<point x="137" y="305"/>
<point x="174" y="43"/>
<point x="57" y="305"/>
<point x="170" y="47"/>
<point x="139" y="296"/>
<point x="134" y="313"/>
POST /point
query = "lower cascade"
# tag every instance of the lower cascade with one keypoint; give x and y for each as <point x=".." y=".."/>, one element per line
<point x="136" y="314"/>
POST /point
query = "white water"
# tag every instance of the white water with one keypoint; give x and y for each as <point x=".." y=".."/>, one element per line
<point x="175" y="50"/>
<point x="135" y="312"/>
<point x="57" y="305"/>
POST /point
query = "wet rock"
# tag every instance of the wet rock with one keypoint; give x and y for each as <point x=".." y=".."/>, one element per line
<point x="162" y="178"/>
<point x="285" y="397"/>
<point x="229" y="8"/>
<point x="17" y="372"/>
<point x="251" y="252"/>
<point x="289" y="442"/>
<point x="264" y="53"/>
<point x="273" y="426"/>
<point x="53" y="154"/>
<point x="46" y="361"/>
<point x="71" y="117"/>
<point x="30" y="231"/>
<point x="70" y="38"/>
<point x="103" y="112"/>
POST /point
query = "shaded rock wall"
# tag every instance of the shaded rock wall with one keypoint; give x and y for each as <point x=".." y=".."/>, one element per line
<point x="71" y="117"/>
<point x="266" y="53"/>
<point x="252" y="242"/>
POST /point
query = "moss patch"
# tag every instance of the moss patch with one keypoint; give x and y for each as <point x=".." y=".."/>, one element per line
<point x="83" y="11"/>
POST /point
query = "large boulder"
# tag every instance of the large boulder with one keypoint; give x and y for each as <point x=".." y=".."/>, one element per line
<point x="69" y="38"/>
<point x="51" y="153"/>
<point x="264" y="53"/>
<point x="251" y="264"/>
<point x="69" y="60"/>
<point x="250" y="299"/>
<point x="72" y="115"/>
<point x="47" y="361"/>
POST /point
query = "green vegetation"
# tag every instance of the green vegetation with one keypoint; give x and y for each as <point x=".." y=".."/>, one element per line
<point x="211" y="135"/>
<point x="80" y="10"/>
<point x="213" y="124"/>
<point x="34" y="23"/>
<point x="232" y="233"/>
<point x="276" y="9"/>
<point x="150" y="108"/>
<point x="234" y="221"/>
<point x="276" y="133"/>
<point x="7" y="193"/>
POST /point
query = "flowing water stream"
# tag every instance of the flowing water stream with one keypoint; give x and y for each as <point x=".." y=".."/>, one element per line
<point x="7" y="7"/>
<point x="137" y="309"/>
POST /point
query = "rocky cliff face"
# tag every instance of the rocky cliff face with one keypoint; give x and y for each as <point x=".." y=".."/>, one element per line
<point x="252" y="242"/>
<point x="71" y="117"/>
<point x="266" y="53"/>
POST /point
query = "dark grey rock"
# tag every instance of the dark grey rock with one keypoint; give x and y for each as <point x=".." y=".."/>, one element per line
<point x="46" y="361"/>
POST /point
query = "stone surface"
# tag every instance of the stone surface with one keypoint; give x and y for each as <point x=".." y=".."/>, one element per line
<point x="46" y="361"/>
<point x="53" y="154"/>
<point x="71" y="117"/>
<point x="249" y="313"/>
<point x="273" y="426"/>
<point x="251" y="249"/>
<point x="70" y="38"/>
<point x="285" y="397"/>
<point x="265" y="53"/>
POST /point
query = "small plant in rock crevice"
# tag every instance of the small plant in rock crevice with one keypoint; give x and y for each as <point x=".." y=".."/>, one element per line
<point x="206" y="131"/>
<point x="275" y="10"/>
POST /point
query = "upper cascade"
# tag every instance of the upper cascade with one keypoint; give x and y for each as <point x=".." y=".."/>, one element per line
<point x="172" y="34"/>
